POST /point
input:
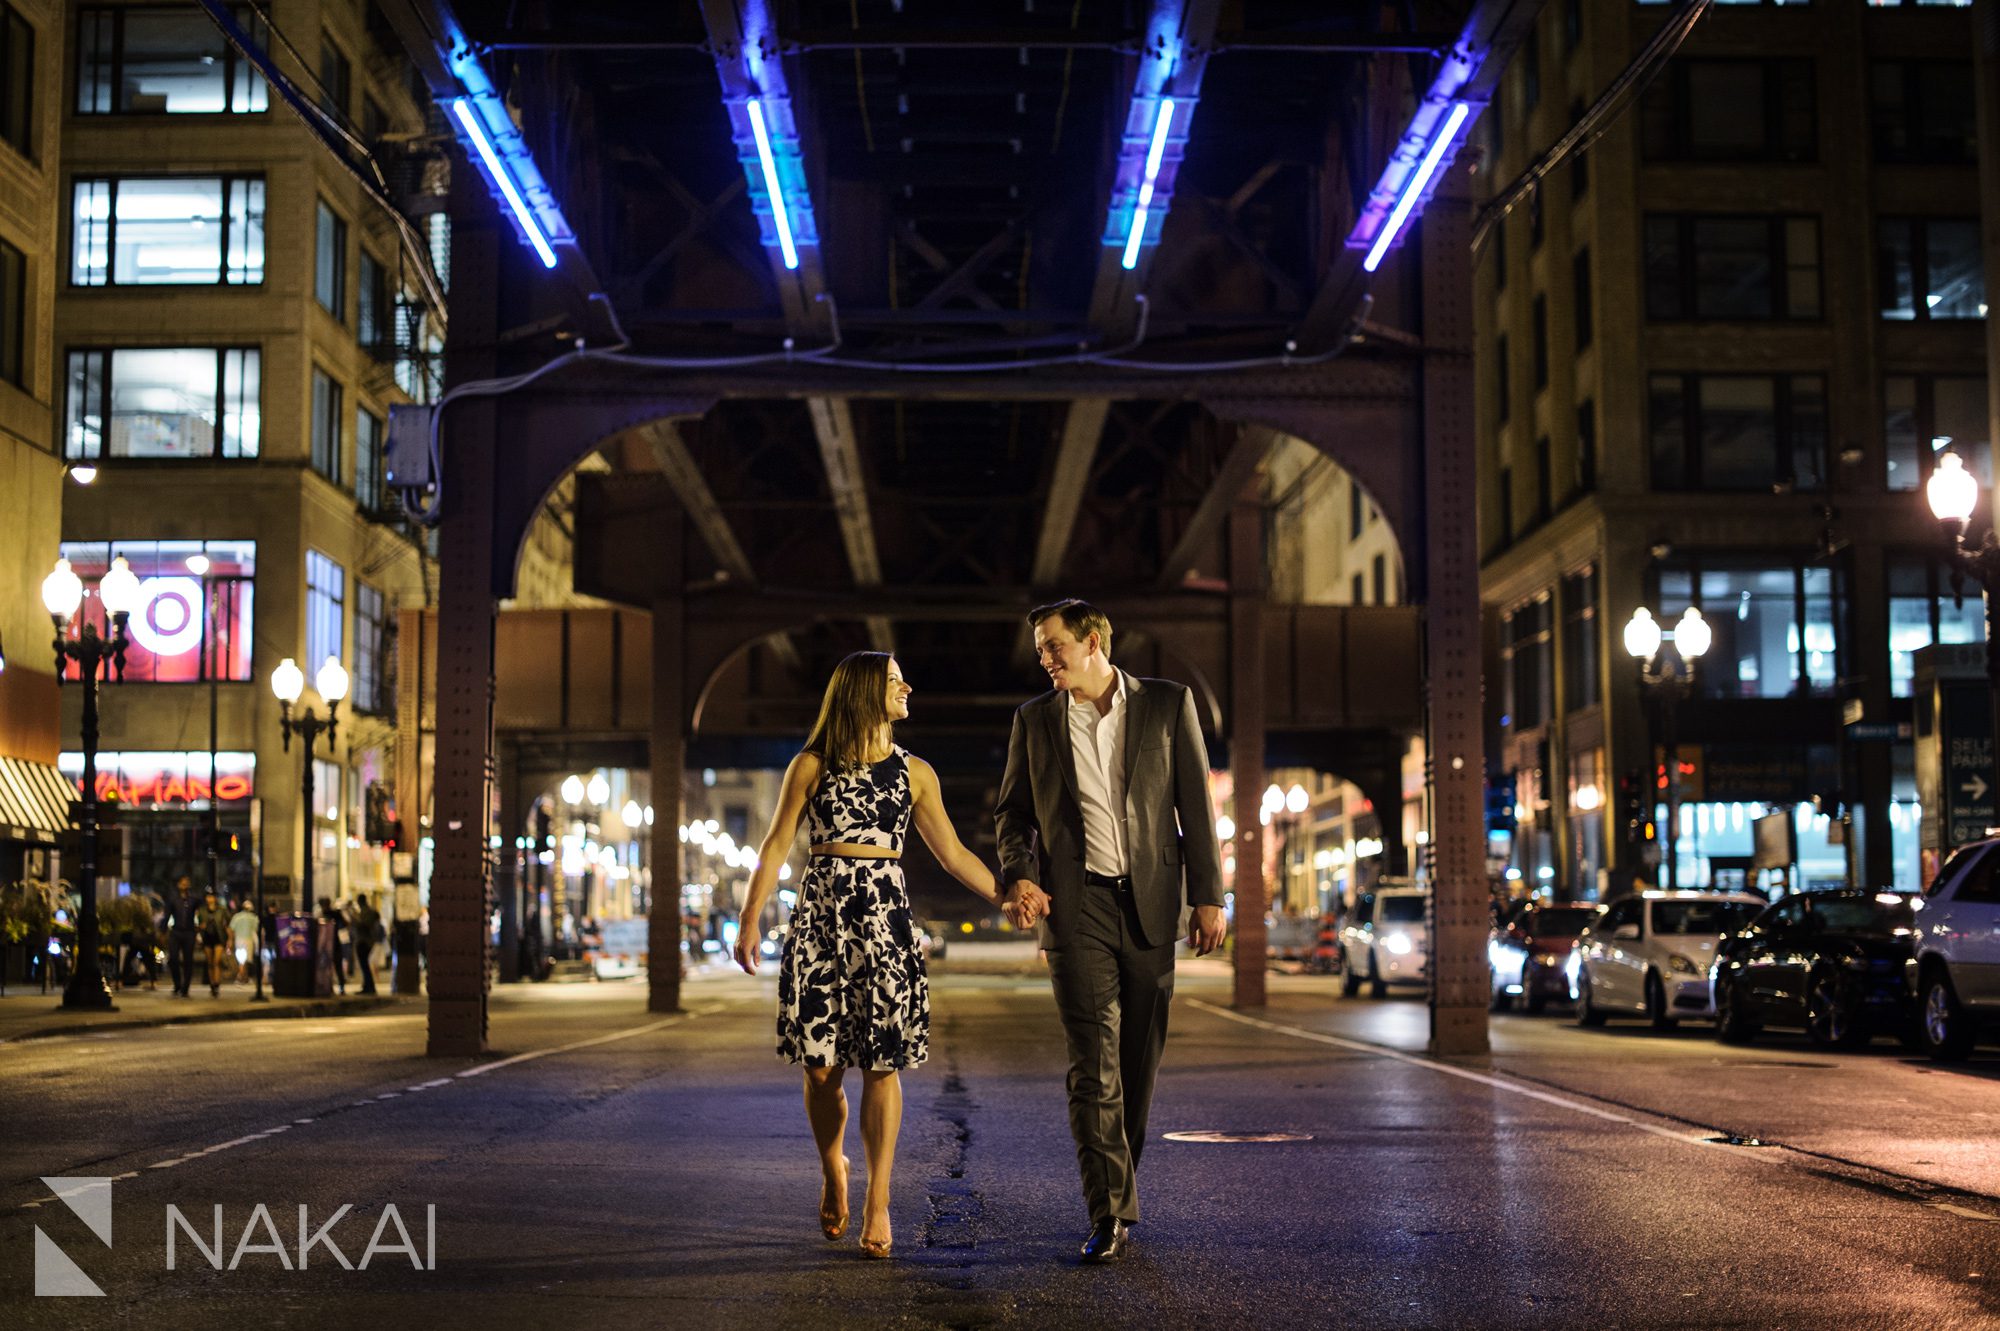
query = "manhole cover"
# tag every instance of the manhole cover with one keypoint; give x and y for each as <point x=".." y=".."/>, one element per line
<point x="1206" y="1135"/>
<point x="1731" y="1139"/>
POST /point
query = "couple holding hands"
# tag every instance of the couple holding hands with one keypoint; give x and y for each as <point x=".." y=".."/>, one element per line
<point x="1105" y="835"/>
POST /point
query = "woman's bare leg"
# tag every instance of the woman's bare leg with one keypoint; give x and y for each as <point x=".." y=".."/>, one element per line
<point x="826" y="1109"/>
<point x="881" y="1120"/>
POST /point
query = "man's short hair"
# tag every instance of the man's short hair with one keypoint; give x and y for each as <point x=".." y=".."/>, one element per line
<point x="1081" y="618"/>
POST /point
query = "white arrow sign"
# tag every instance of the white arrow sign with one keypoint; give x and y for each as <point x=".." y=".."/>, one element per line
<point x="1974" y="788"/>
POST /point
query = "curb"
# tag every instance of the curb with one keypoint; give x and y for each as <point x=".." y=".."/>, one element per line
<point x="325" y="1007"/>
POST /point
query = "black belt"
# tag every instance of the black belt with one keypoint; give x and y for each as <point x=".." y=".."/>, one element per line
<point x="1122" y="883"/>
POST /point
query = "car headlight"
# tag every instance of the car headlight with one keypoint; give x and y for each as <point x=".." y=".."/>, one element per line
<point x="1398" y="943"/>
<point x="1680" y="965"/>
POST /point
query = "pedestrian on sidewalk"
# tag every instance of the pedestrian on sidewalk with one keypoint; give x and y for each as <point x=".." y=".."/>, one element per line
<point x="365" y="925"/>
<point x="181" y="929"/>
<point x="213" y="922"/>
<point x="243" y="932"/>
<point x="852" y="992"/>
<point x="149" y="939"/>
<point x="330" y="914"/>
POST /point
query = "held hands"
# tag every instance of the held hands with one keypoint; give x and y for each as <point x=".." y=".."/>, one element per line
<point x="1206" y="929"/>
<point x="1026" y="904"/>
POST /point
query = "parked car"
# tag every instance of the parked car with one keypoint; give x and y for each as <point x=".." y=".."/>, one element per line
<point x="1385" y="941"/>
<point x="1648" y="955"/>
<point x="1528" y="954"/>
<point x="1955" y="969"/>
<point x="1831" y="963"/>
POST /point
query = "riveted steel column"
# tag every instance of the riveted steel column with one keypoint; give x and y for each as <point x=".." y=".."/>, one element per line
<point x="669" y="764"/>
<point x="1246" y="741"/>
<point x="464" y="778"/>
<point x="1459" y="913"/>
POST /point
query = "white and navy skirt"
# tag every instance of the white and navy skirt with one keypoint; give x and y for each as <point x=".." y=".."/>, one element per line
<point x="852" y="991"/>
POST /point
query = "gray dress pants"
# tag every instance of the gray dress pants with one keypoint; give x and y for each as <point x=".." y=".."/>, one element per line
<point x="1112" y="993"/>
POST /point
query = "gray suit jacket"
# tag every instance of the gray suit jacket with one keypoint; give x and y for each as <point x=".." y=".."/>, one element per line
<point x="1171" y="843"/>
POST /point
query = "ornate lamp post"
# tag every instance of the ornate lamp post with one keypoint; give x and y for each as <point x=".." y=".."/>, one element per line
<point x="1953" y="493"/>
<point x="288" y="681"/>
<point x="1669" y="679"/>
<point x="62" y="594"/>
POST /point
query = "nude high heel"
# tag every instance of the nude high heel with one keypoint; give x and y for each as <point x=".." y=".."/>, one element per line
<point x="834" y="1223"/>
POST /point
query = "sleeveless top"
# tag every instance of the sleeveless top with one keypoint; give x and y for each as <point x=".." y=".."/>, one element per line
<point x="863" y="806"/>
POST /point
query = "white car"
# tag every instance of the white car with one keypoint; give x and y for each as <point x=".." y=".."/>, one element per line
<point x="1648" y="955"/>
<point x="1955" y="972"/>
<point x="1384" y="941"/>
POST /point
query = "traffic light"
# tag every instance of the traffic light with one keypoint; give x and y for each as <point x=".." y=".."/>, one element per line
<point x="381" y="826"/>
<point x="1634" y="809"/>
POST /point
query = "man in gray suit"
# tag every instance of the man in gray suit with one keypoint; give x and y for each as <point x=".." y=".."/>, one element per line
<point x="1105" y="827"/>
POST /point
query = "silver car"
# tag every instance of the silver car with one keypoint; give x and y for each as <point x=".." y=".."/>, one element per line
<point x="1648" y="955"/>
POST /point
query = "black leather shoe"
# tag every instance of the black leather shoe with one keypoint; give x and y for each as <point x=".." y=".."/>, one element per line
<point x="1107" y="1242"/>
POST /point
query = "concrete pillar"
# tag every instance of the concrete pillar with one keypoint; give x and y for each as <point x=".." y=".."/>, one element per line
<point x="1246" y="741"/>
<point x="1459" y="913"/>
<point x="669" y="767"/>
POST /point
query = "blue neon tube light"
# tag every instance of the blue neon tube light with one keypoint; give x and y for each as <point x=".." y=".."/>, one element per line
<point x="1154" y="153"/>
<point x="462" y="108"/>
<point x="1419" y="180"/>
<point x="770" y="166"/>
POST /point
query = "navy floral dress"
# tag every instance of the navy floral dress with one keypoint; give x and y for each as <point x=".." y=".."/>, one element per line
<point x="852" y="992"/>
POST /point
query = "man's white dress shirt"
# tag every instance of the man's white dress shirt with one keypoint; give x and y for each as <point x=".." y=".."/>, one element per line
<point x="1099" y="745"/>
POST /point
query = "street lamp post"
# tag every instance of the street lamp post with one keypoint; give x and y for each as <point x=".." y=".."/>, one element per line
<point x="1670" y="679"/>
<point x="92" y="653"/>
<point x="1953" y="493"/>
<point x="288" y="681"/>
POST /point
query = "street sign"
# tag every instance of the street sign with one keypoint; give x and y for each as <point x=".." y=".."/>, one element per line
<point x="1865" y="731"/>
<point x="1968" y="760"/>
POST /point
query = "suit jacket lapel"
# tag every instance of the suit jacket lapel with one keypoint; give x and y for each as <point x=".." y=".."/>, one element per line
<point x="1135" y="714"/>
<point x="1057" y="714"/>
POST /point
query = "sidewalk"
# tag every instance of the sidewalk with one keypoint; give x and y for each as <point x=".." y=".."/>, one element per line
<point x="26" y="1013"/>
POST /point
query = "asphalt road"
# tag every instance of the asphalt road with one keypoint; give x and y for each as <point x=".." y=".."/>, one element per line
<point x="634" y="1170"/>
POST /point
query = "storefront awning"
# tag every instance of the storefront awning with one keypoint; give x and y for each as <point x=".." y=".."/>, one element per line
<point x="34" y="801"/>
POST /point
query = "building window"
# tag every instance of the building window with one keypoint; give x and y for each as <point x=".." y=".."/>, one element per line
<point x="1922" y="111"/>
<point x="372" y="307"/>
<point x="167" y="231"/>
<point x="194" y="621"/>
<point x="1732" y="267"/>
<point x="1531" y="68"/>
<point x="1738" y="432"/>
<point x="1378" y="572"/>
<point x="1501" y="376"/>
<point x="1535" y="220"/>
<point x="1586" y="306"/>
<point x="374" y="120"/>
<point x="1930" y="268"/>
<point x="326" y="416"/>
<point x="163" y="402"/>
<point x="1527" y="664"/>
<point x="1582" y="686"/>
<point x="1544" y="481"/>
<point x="326" y="600"/>
<point x="1572" y="25"/>
<point x="336" y="78"/>
<point x="1773" y="623"/>
<point x="17" y="81"/>
<point x="372" y="645"/>
<point x="368" y="461"/>
<point x="1506" y="506"/>
<point x="1586" y="445"/>
<point x="13" y="315"/>
<point x="1731" y="110"/>
<point x="1541" y="344"/>
<point x="1354" y="510"/>
<point x="161" y="60"/>
<point x="1923" y="612"/>
<point x="1360" y="591"/>
<point x="330" y="262"/>
<point x="1926" y="414"/>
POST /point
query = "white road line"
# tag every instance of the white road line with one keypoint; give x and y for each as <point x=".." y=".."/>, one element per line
<point x="479" y="1071"/>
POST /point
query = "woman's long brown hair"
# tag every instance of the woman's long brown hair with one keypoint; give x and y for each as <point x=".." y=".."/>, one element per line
<point x="854" y="709"/>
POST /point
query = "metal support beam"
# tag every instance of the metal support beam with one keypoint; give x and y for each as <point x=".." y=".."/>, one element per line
<point x="1247" y="451"/>
<point x="668" y="757"/>
<point x="1459" y="989"/>
<point x="1083" y="427"/>
<point x="840" y="451"/>
<point x="1246" y="742"/>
